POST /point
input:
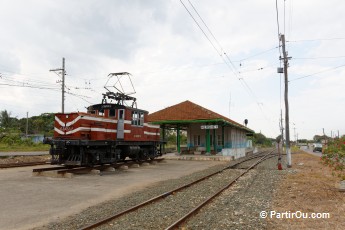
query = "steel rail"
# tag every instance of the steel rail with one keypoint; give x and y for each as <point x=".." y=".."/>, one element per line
<point x="192" y="212"/>
<point x="71" y="169"/>
<point x="131" y="209"/>
<point x="23" y="164"/>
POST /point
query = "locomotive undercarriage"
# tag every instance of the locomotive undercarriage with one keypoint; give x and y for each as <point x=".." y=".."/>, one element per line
<point x="88" y="153"/>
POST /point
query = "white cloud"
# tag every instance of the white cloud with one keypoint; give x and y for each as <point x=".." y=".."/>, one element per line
<point x="171" y="60"/>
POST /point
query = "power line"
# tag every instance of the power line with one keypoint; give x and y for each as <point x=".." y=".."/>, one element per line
<point x="319" y="57"/>
<point x="277" y="18"/>
<point x="317" y="39"/>
<point x="257" y="54"/>
<point x="323" y="71"/>
<point x="200" y="28"/>
<point x="28" y="86"/>
<point x="42" y="83"/>
<point x="221" y="53"/>
<point x="221" y="49"/>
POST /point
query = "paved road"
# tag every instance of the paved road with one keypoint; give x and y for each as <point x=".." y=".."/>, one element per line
<point x="37" y="153"/>
<point x="310" y="151"/>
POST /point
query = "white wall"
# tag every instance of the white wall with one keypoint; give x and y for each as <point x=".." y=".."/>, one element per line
<point x="235" y="140"/>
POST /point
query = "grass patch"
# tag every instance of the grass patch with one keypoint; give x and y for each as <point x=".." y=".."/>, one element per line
<point x="23" y="148"/>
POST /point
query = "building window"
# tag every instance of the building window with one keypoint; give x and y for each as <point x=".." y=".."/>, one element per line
<point x="196" y="140"/>
<point x="219" y="140"/>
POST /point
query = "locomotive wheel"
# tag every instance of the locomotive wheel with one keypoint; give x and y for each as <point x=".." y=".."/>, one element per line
<point x="143" y="155"/>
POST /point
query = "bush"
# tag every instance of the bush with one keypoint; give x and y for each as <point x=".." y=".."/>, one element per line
<point x="334" y="157"/>
<point x="15" y="140"/>
<point x="10" y="139"/>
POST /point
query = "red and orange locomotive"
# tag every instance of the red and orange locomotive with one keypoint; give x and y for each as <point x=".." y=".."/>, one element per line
<point x="106" y="133"/>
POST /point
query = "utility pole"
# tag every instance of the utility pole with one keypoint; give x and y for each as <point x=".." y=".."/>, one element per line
<point x="282" y="141"/>
<point x="63" y="73"/>
<point x="287" y="127"/>
<point x="294" y="131"/>
<point x="27" y="124"/>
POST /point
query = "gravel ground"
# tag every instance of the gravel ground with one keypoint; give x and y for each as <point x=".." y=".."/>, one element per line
<point x="237" y="208"/>
<point x="240" y="207"/>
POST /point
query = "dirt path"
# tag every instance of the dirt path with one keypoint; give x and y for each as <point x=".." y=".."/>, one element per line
<point x="309" y="188"/>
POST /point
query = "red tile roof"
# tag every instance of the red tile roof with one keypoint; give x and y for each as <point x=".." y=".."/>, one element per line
<point x="189" y="111"/>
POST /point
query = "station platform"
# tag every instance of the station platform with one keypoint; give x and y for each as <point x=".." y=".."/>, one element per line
<point x="198" y="157"/>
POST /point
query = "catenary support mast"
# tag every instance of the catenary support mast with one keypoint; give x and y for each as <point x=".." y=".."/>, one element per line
<point x="63" y="73"/>
<point x="287" y="126"/>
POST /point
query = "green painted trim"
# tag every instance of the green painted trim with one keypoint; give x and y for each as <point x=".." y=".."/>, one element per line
<point x="163" y="136"/>
<point x="178" y="141"/>
<point x="214" y="141"/>
<point x="208" y="144"/>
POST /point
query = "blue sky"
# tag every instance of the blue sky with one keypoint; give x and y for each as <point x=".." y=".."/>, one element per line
<point x="171" y="60"/>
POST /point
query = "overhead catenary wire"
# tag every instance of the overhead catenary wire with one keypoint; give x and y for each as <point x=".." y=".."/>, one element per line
<point x="196" y="22"/>
<point x="222" y="54"/>
<point x="221" y="49"/>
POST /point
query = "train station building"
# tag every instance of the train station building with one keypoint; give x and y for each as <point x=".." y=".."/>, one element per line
<point x="207" y="131"/>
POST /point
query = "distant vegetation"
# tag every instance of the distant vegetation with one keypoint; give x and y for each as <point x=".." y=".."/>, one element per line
<point x="171" y="138"/>
<point x="261" y="140"/>
<point x="13" y="131"/>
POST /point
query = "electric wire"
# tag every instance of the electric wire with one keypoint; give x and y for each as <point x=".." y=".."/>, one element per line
<point x="227" y="59"/>
<point x="200" y="28"/>
<point x="206" y="26"/>
<point x="322" y="71"/>
<point x="257" y="54"/>
<point x="317" y="39"/>
<point x="335" y="57"/>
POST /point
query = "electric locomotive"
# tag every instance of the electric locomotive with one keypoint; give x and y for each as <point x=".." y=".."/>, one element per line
<point x="107" y="133"/>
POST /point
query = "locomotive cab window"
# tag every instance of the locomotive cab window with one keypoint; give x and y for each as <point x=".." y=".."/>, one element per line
<point x="141" y="119"/>
<point x="112" y="113"/>
<point x="137" y="118"/>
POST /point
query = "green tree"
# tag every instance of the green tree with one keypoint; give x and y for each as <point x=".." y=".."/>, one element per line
<point x="5" y="119"/>
<point x="260" y="139"/>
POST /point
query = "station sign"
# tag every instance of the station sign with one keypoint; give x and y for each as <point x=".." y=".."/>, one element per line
<point x="209" y="126"/>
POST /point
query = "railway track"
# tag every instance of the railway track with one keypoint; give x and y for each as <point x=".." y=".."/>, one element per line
<point x="171" y="198"/>
<point x="62" y="170"/>
<point x="23" y="164"/>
